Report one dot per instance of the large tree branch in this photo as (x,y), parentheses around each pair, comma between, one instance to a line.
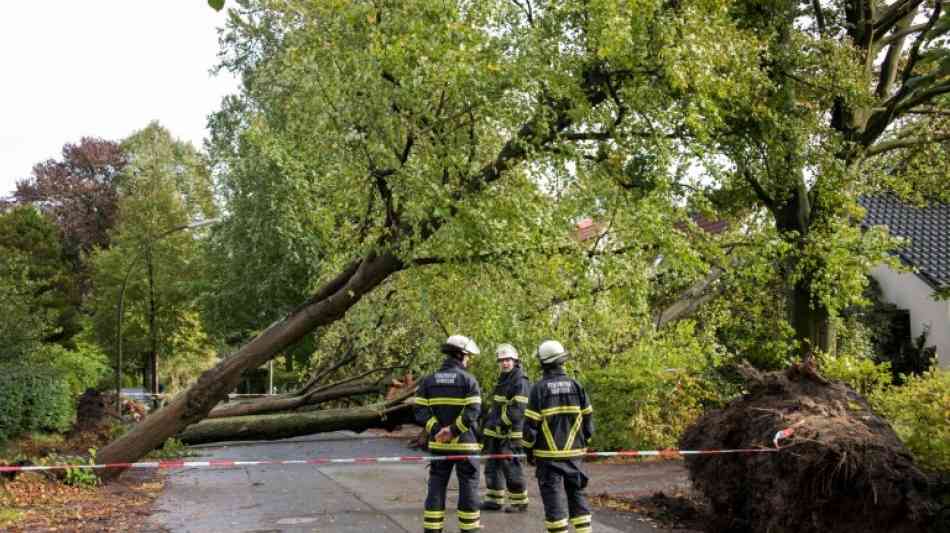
(878,122)
(338,295)
(918,42)
(691,299)
(819,17)
(924,97)
(891,62)
(902,32)
(887,146)
(892,16)
(759,190)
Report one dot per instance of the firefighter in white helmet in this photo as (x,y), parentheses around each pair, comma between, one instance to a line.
(504,478)
(448,404)
(557,427)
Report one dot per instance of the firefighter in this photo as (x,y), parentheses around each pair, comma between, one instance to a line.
(448,404)
(502,435)
(557,426)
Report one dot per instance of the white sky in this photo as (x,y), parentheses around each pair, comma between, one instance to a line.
(102,68)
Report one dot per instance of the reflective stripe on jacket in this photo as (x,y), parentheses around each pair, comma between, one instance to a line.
(508,403)
(558,421)
(450,398)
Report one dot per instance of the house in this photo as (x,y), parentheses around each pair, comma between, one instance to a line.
(928,252)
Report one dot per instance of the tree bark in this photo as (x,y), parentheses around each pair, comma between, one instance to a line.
(152,385)
(327,305)
(284,425)
(287,403)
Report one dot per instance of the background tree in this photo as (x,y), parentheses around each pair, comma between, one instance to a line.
(165,188)
(28,236)
(79,192)
(848,98)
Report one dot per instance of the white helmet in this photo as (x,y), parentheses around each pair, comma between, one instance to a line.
(506,351)
(550,352)
(463,343)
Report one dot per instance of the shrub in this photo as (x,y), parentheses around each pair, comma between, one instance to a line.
(33,399)
(648,397)
(82,368)
(919,411)
(861,373)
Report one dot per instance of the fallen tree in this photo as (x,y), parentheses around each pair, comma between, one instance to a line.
(312,397)
(386,415)
(844,469)
(395,231)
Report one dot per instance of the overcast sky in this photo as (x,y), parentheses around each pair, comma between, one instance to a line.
(102,68)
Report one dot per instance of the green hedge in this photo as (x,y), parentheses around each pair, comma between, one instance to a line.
(33,399)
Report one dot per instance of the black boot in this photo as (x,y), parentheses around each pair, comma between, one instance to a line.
(517,508)
(490,506)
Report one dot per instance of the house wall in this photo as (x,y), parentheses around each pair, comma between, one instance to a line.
(908,291)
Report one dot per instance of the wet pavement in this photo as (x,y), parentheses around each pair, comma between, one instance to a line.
(352,498)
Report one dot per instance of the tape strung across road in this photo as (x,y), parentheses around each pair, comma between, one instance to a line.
(223,463)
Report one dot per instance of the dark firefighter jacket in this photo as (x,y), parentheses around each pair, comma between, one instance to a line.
(509,400)
(558,420)
(450,398)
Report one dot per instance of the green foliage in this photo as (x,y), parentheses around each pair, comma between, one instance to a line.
(81,368)
(154,266)
(860,372)
(919,411)
(33,399)
(82,477)
(170,449)
(647,398)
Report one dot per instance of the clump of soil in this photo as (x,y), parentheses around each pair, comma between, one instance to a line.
(94,411)
(843,470)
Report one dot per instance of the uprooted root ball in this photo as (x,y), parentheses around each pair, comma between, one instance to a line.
(844,469)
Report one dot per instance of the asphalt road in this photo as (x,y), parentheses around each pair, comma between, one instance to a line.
(337,499)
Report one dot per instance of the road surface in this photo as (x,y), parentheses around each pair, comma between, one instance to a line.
(337,498)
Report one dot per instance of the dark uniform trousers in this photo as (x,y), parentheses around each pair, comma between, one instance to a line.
(504,477)
(451,399)
(468,504)
(557,479)
(558,425)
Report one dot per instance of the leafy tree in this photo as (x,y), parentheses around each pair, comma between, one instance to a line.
(79,192)
(847,98)
(147,277)
(453,147)
(24,231)
(23,324)
(395,133)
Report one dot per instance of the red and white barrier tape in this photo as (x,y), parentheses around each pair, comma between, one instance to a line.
(220,463)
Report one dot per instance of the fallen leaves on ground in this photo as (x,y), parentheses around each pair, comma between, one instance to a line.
(684,509)
(32,502)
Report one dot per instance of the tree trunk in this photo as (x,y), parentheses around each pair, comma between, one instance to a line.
(152,329)
(812,323)
(274,405)
(284,425)
(329,303)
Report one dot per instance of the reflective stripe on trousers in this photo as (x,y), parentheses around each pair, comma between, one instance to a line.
(504,477)
(468,502)
(559,481)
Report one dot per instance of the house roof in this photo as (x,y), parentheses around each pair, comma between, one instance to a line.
(588,228)
(927,229)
